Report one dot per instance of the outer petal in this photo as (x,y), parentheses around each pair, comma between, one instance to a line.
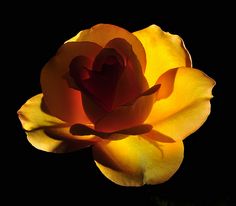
(47,132)
(187,107)
(32,116)
(42,141)
(164,51)
(103,33)
(63,101)
(135,160)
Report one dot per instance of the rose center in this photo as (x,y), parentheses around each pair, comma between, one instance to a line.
(100,81)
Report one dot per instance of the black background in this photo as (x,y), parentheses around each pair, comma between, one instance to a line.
(34,33)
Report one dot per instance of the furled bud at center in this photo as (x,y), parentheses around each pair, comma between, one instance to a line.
(100,81)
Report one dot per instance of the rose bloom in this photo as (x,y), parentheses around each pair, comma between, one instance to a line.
(132,97)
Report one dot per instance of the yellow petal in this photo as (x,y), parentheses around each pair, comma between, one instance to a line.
(188,105)
(47,132)
(42,141)
(32,116)
(164,51)
(137,160)
(103,33)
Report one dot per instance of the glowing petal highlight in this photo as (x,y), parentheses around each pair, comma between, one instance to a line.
(134,160)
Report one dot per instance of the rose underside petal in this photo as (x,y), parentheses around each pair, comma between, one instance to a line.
(80,129)
(135,160)
(188,105)
(166,81)
(164,51)
(47,132)
(63,101)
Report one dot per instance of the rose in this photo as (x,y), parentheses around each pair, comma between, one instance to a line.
(132,97)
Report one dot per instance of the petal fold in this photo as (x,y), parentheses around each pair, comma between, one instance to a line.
(186,107)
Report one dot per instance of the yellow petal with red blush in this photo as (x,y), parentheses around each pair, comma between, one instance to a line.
(62,100)
(103,33)
(164,51)
(186,107)
(48,133)
(137,160)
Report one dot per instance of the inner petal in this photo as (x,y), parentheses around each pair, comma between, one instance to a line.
(132,82)
(99,82)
